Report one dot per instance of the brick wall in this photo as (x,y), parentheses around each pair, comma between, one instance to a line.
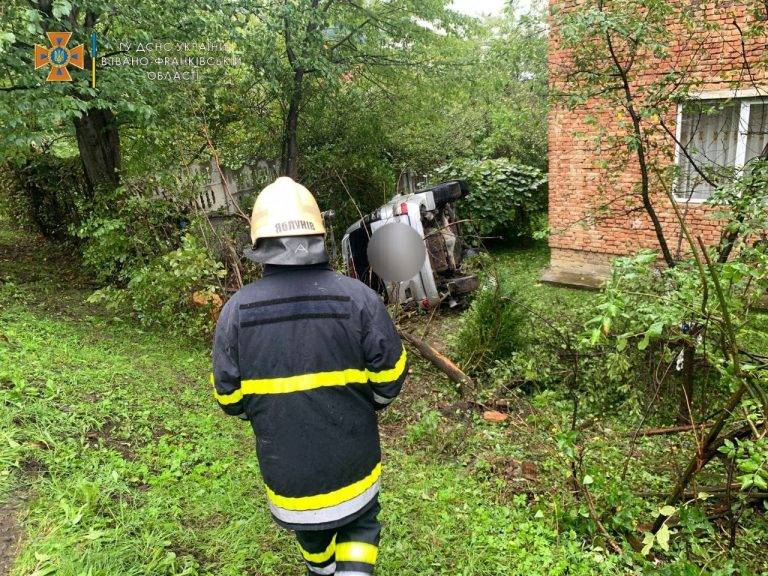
(596,209)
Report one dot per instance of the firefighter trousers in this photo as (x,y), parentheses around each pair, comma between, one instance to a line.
(348,550)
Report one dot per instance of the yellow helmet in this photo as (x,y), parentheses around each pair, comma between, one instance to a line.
(285,208)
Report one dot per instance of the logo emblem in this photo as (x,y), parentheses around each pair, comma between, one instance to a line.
(58,56)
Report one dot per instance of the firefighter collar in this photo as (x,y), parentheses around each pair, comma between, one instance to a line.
(289,251)
(270,269)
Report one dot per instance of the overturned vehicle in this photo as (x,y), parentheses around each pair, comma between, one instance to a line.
(431,213)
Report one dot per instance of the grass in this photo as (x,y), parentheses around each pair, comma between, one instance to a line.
(521,268)
(130,468)
(120,462)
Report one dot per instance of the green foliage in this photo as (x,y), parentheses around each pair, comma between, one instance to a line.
(427,429)
(643,304)
(159,293)
(657,315)
(552,332)
(742,201)
(44,193)
(38,113)
(130,458)
(482,94)
(15,206)
(641,301)
(385,88)
(345,153)
(627,363)
(492,329)
(751,458)
(505,199)
(126,230)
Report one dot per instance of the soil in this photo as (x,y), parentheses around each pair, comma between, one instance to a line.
(10,534)
(106,435)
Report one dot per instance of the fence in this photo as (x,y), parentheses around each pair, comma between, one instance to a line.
(224,187)
(217,191)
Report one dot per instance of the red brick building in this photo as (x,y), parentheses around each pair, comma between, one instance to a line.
(595,210)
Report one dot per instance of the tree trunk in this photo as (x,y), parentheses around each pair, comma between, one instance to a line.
(290,154)
(629,105)
(99,143)
(704,452)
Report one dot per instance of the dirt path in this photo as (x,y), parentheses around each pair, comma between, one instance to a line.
(10,534)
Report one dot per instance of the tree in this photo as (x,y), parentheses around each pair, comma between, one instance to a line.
(620,71)
(318,46)
(38,112)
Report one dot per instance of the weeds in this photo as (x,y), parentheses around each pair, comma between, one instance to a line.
(492,329)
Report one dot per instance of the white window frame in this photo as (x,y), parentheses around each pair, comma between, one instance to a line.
(746,99)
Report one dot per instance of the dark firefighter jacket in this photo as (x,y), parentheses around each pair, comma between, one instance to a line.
(309,355)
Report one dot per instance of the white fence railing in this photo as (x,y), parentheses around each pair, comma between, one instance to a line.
(220,194)
(217,195)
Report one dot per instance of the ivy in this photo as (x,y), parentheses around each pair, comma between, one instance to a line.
(505,199)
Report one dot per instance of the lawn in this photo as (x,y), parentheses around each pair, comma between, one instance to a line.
(114,458)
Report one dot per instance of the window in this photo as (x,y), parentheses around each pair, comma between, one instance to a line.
(757,133)
(717,137)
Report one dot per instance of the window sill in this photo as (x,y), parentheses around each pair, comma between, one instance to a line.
(693,201)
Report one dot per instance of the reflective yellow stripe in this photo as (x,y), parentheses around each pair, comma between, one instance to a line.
(320,557)
(391,374)
(325,500)
(231,398)
(303,382)
(236,396)
(313,380)
(356,552)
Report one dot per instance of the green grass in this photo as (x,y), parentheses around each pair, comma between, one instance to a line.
(120,462)
(521,268)
(130,468)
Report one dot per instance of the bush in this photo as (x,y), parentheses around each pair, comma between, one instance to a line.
(126,231)
(44,193)
(505,199)
(160,293)
(491,330)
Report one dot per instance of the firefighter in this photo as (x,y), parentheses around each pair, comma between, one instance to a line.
(309,356)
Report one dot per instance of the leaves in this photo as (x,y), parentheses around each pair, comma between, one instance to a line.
(503,198)
(648,540)
(61,8)
(667,510)
(662,537)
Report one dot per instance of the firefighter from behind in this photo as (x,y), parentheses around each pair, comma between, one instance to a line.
(309,356)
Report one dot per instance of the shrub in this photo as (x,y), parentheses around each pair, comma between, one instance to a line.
(159,293)
(505,199)
(44,193)
(491,330)
(125,232)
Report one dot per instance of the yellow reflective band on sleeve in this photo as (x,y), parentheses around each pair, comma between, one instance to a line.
(334,498)
(231,398)
(391,374)
(356,552)
(320,557)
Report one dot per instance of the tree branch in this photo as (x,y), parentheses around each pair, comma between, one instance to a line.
(639,151)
